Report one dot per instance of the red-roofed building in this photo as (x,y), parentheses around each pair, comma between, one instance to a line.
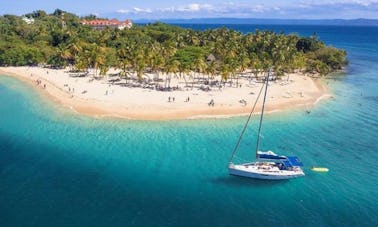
(101,24)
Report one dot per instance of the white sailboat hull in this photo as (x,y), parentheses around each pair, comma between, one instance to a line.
(263,170)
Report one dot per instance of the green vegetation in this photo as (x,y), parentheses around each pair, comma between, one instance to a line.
(59,40)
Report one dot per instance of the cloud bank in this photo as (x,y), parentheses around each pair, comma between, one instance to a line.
(345,9)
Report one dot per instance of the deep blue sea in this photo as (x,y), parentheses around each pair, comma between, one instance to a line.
(62,169)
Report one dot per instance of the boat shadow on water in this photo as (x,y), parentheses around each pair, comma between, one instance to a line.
(236,181)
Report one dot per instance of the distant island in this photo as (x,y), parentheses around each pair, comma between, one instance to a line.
(71,50)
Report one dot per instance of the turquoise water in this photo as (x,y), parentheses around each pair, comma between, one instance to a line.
(63,169)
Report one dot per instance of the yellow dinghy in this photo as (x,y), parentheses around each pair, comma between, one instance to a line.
(319,169)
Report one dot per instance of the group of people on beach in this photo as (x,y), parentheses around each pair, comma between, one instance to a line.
(70,90)
(171,98)
(242,101)
(39,82)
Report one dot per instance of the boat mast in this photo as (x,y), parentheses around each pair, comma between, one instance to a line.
(262,114)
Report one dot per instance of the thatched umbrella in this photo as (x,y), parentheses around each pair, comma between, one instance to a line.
(210,58)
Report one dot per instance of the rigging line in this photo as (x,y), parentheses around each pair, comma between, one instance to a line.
(262,114)
(246,124)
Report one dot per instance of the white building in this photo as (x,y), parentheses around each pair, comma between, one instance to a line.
(28,20)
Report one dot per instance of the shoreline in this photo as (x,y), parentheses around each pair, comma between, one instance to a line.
(100,98)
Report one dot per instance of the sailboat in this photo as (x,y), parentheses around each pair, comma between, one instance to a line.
(268,165)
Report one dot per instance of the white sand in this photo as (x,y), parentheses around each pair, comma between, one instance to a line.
(100,98)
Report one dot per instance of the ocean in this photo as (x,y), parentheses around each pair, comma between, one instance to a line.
(58,168)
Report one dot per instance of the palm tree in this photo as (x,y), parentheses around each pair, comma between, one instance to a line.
(179,41)
(74,49)
(244,62)
(255,64)
(96,57)
(211,70)
(140,65)
(168,49)
(192,38)
(199,65)
(63,53)
(82,62)
(123,62)
(225,72)
(184,70)
(172,66)
(234,70)
(106,60)
(155,59)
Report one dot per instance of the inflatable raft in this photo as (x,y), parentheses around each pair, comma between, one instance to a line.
(319,169)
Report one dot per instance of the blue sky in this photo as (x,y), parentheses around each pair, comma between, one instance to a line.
(136,9)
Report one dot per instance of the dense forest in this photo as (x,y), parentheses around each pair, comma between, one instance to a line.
(60,40)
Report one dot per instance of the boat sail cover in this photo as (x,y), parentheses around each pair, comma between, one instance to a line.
(269,155)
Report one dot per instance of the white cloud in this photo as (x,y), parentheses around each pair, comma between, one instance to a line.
(194,7)
(229,9)
(168,9)
(259,9)
(365,3)
(360,2)
(139,10)
(125,11)
(134,10)
(310,9)
(190,8)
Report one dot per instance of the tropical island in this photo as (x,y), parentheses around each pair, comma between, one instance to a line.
(160,71)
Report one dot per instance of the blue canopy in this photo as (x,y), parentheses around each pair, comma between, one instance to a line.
(292,161)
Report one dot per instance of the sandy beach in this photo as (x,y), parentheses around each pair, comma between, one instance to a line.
(110,96)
